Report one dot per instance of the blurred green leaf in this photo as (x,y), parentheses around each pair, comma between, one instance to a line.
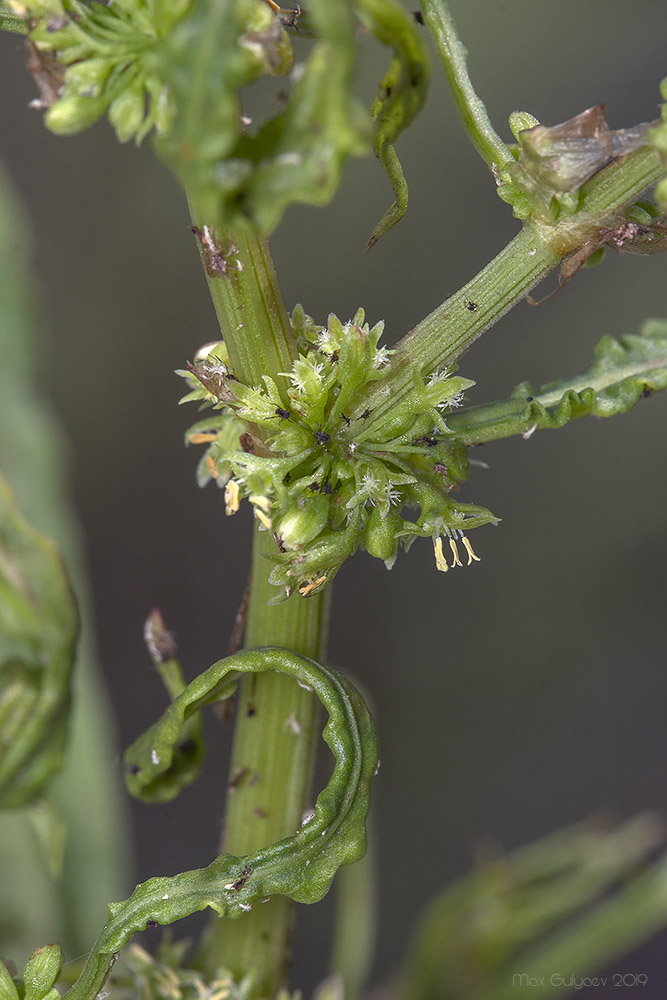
(46,894)
(38,628)
(401,96)
(566,904)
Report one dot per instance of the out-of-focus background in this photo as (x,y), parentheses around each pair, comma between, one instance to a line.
(513,697)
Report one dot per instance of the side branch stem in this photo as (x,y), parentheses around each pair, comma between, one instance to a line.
(483,136)
(446,334)
(443,336)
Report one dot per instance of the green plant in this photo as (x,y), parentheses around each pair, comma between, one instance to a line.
(332,439)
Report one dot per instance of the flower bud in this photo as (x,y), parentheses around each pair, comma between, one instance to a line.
(73,114)
(661,194)
(127,111)
(519,121)
(89,76)
(355,361)
(301,524)
(380,538)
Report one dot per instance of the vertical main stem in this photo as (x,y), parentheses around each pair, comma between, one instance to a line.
(274,737)
(270,773)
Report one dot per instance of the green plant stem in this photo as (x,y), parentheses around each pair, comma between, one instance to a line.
(487,142)
(446,334)
(249,305)
(450,329)
(272,757)
(270,773)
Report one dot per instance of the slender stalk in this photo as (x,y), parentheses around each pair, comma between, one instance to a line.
(445,334)
(453,53)
(449,330)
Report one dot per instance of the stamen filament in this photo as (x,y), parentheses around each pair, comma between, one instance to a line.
(468,547)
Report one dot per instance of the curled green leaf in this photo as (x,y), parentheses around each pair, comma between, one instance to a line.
(438,19)
(38,629)
(623,372)
(301,866)
(400,98)
(252,171)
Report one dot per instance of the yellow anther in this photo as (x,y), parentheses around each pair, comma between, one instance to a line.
(266,521)
(455,553)
(440,561)
(206,351)
(201,437)
(212,467)
(260,501)
(231,497)
(468,547)
(306,589)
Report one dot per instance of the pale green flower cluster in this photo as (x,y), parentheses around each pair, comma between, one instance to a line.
(317,480)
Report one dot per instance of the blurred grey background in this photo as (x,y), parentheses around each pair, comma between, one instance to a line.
(512,698)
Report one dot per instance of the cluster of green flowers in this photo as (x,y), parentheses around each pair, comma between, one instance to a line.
(322,480)
(97,59)
(123,60)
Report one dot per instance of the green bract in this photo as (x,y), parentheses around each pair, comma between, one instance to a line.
(316,480)
(552,164)
(623,372)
